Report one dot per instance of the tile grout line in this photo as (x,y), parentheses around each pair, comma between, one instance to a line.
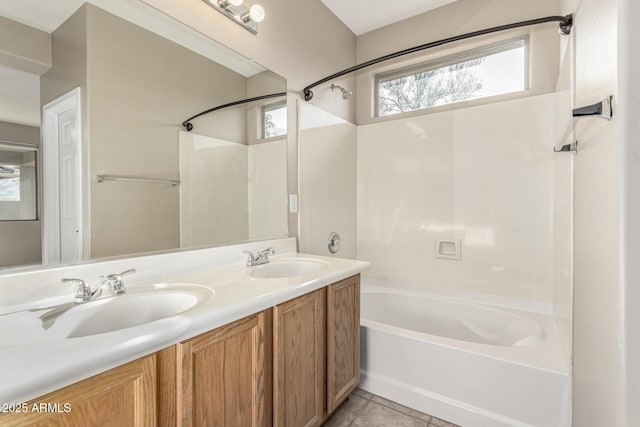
(370,399)
(404,413)
(367,401)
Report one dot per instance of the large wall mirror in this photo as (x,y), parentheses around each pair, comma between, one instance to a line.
(94,161)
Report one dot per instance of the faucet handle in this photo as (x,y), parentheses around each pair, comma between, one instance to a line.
(81,291)
(118,276)
(116,283)
(263,256)
(252,258)
(268,251)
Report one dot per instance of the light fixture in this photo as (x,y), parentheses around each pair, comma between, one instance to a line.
(256,12)
(247,17)
(225,4)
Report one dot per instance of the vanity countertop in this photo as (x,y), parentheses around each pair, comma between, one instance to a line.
(34,369)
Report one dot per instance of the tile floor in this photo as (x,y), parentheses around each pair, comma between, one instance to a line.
(364,409)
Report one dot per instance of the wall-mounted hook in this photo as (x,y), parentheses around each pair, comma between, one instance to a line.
(567,148)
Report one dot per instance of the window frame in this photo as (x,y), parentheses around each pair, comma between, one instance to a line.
(445,61)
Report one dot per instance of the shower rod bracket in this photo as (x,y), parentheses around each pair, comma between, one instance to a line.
(602,109)
(565,24)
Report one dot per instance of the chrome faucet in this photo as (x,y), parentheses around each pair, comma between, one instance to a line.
(262,257)
(83,292)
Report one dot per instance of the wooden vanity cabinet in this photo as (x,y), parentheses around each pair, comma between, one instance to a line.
(123,396)
(316,353)
(219,378)
(290,365)
(298,354)
(343,340)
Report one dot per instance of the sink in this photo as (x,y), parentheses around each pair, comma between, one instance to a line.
(109,314)
(117,313)
(293,267)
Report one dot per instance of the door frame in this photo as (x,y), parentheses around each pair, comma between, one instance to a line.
(51,174)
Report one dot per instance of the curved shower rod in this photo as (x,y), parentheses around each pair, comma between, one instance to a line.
(565,24)
(189,126)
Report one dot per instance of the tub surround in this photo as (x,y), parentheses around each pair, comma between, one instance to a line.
(486,175)
(237,295)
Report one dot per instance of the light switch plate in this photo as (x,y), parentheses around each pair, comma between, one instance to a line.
(293,203)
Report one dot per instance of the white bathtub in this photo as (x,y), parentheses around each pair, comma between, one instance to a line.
(472,364)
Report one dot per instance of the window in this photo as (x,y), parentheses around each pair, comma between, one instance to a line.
(274,120)
(17,182)
(9,183)
(496,70)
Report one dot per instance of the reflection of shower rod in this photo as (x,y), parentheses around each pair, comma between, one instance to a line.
(346,94)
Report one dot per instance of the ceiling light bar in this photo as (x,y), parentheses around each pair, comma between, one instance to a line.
(242,15)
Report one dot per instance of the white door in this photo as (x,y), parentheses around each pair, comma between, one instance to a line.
(62,164)
(70,187)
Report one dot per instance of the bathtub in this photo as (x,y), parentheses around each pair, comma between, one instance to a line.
(473,364)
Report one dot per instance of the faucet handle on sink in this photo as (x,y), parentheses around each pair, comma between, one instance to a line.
(116,282)
(81,292)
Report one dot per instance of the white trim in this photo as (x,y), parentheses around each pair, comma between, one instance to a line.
(50,167)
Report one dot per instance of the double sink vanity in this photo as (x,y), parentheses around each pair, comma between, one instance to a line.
(189,338)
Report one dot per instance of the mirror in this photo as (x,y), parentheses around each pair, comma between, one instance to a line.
(117,172)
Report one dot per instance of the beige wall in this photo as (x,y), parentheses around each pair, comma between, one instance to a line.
(25,247)
(19,133)
(213,191)
(470,15)
(267,182)
(299,39)
(69,71)
(141,88)
(137,89)
(328,164)
(598,372)
(23,47)
(22,238)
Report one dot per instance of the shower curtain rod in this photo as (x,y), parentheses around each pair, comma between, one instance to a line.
(189,126)
(565,23)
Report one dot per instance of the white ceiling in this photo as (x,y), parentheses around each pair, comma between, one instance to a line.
(362,16)
(44,15)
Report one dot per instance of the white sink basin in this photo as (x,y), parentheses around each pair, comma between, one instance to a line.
(136,307)
(293,267)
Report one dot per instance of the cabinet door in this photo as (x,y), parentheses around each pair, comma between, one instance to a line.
(124,396)
(224,376)
(343,340)
(298,351)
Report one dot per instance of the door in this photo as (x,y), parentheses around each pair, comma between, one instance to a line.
(123,396)
(62,167)
(224,376)
(298,354)
(70,187)
(343,340)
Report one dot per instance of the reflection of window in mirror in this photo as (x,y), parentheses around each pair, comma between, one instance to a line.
(274,119)
(17,182)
